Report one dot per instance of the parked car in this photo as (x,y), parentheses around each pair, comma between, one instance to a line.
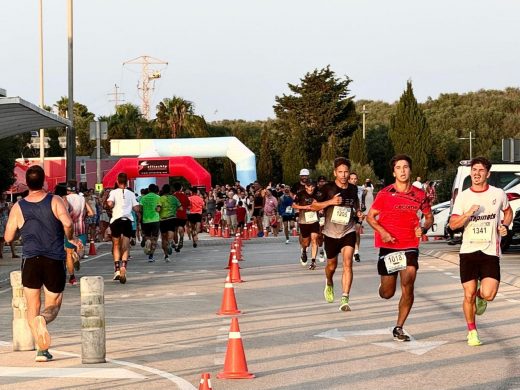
(441,212)
(502,175)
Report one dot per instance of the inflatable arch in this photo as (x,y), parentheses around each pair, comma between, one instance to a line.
(140,167)
(229,147)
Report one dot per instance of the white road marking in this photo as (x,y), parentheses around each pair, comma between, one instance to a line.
(149,295)
(83,261)
(448,273)
(182,384)
(454,277)
(512,300)
(95,373)
(412,346)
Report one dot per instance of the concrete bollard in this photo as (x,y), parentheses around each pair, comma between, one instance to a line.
(93,346)
(22,337)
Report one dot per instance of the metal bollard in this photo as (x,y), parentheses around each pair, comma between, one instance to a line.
(93,346)
(22,336)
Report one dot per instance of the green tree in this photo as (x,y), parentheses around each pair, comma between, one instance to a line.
(172,113)
(380,151)
(55,149)
(409,131)
(358,150)
(82,119)
(8,154)
(320,106)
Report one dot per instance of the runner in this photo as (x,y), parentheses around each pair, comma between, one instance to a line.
(195,216)
(341,204)
(322,180)
(121,201)
(309,223)
(150,220)
(353,179)
(181,217)
(393,216)
(168,205)
(295,189)
(478,210)
(285,208)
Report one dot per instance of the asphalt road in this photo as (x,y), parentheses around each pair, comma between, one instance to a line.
(163,331)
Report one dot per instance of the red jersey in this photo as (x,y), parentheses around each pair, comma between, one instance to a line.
(185,202)
(218,217)
(241,214)
(398,216)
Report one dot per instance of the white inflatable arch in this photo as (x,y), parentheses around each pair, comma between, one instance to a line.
(230,147)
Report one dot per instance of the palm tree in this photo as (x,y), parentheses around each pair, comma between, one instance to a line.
(172,114)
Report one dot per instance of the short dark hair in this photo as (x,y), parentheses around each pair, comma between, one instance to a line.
(481,160)
(122,178)
(153,188)
(35,177)
(166,189)
(341,161)
(177,186)
(399,157)
(353,173)
(322,178)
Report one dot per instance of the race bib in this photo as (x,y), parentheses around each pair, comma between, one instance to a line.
(340,215)
(288,210)
(395,261)
(479,232)
(311,216)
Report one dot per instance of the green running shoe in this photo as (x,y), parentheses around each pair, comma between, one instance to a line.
(473,340)
(329,293)
(344,306)
(480,304)
(43,356)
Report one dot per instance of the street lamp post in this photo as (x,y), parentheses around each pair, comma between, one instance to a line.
(471,138)
(42,131)
(71,132)
(364,112)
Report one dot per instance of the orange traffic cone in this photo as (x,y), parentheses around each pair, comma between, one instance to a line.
(235,365)
(294,232)
(211,231)
(238,250)
(92,249)
(205,382)
(229,302)
(235,271)
(226,232)
(245,235)
(232,253)
(219,232)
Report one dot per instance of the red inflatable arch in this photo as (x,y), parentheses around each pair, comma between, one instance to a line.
(136,167)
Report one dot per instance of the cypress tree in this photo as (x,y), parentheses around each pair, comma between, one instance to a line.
(409,132)
(358,150)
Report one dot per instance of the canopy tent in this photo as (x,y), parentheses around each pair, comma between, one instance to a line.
(18,116)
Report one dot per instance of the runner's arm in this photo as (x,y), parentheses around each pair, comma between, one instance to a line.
(372,221)
(458,221)
(335,200)
(13,223)
(60,212)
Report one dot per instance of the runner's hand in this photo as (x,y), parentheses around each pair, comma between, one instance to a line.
(473,209)
(418,231)
(77,242)
(502,230)
(386,237)
(336,200)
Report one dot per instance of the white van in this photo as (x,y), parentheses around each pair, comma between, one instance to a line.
(501,175)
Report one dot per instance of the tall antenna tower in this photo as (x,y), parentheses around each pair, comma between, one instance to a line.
(148,76)
(118,96)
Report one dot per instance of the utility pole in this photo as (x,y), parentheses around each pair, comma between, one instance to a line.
(42,131)
(116,94)
(471,138)
(364,112)
(71,132)
(146,85)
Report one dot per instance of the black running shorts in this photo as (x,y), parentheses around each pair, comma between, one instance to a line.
(178,222)
(307,228)
(333,246)
(121,227)
(412,258)
(478,265)
(167,225)
(42,271)
(150,229)
(195,218)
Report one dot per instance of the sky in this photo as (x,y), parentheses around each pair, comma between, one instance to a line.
(231,58)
